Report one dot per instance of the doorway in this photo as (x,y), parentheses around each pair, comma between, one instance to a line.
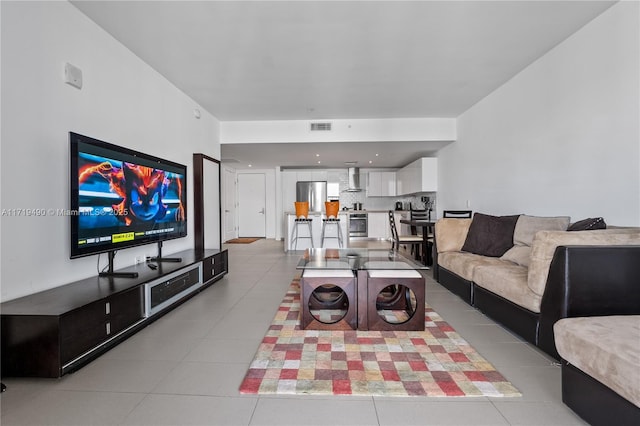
(251,205)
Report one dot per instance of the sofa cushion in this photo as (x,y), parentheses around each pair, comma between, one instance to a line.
(588,224)
(509,281)
(451,233)
(545,244)
(606,348)
(463,264)
(527,226)
(490,235)
(520,255)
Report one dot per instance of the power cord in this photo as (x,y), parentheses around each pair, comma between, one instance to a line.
(107,266)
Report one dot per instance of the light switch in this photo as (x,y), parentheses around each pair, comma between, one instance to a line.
(73,75)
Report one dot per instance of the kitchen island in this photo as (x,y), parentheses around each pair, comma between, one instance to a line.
(316,227)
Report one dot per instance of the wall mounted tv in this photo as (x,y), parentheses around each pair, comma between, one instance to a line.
(122,198)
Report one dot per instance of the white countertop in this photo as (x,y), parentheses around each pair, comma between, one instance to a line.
(315,213)
(350,211)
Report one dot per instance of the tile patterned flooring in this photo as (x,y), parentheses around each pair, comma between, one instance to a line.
(186,367)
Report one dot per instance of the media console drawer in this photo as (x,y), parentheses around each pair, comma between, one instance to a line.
(57,331)
(84,328)
(214,265)
(163,293)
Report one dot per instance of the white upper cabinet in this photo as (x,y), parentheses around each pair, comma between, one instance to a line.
(382,184)
(419,176)
(289,179)
(304,176)
(319,175)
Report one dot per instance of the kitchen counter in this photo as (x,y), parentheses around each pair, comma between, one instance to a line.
(314,214)
(352,211)
(316,228)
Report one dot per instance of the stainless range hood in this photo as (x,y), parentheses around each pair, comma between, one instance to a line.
(354,180)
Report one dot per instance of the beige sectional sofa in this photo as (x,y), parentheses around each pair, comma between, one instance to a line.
(514,288)
(601,368)
(573,294)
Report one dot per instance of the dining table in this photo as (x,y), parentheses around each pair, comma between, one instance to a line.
(427,227)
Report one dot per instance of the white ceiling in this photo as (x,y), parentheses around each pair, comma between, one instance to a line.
(291,60)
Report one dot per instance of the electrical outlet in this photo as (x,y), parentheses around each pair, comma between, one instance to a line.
(73,75)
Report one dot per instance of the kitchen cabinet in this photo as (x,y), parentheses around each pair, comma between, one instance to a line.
(379,227)
(319,175)
(289,180)
(304,176)
(419,176)
(382,184)
(378,224)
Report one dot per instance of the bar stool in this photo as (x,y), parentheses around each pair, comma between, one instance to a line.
(328,299)
(400,293)
(331,221)
(295,235)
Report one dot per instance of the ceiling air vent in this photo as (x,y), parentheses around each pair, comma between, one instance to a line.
(320,127)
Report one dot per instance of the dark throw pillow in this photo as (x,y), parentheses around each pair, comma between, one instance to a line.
(490,235)
(588,224)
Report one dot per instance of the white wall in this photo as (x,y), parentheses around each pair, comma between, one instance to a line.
(560,138)
(123,101)
(360,130)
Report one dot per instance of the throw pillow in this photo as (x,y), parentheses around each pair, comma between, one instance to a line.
(588,224)
(527,227)
(490,235)
(520,255)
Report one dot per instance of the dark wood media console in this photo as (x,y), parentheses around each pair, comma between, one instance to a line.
(57,331)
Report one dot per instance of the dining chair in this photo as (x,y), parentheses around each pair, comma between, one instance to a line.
(397,239)
(418,215)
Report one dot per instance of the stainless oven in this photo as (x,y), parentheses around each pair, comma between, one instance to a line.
(358,225)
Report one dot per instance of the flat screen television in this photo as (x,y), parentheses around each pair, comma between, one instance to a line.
(122,198)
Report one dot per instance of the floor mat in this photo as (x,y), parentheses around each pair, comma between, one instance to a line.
(244,240)
(436,362)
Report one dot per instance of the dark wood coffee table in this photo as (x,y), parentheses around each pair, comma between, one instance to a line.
(386,283)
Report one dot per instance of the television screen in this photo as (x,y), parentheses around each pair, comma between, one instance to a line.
(122,198)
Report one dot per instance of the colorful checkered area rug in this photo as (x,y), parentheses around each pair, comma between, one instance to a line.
(436,362)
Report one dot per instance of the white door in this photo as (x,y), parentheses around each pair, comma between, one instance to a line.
(251,205)
(229,204)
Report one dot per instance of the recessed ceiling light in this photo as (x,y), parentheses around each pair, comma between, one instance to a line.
(377,155)
(370,161)
(318,162)
(317,155)
(249,165)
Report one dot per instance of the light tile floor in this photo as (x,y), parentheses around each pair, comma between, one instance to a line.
(186,368)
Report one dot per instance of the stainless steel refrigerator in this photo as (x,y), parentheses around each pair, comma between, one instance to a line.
(315,192)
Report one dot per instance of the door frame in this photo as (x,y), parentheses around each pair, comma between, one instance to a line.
(233,197)
(198,202)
